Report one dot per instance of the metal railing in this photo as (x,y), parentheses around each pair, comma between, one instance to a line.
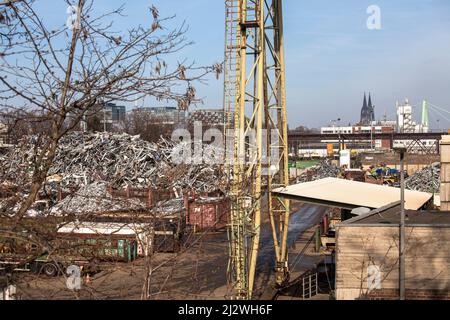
(310,286)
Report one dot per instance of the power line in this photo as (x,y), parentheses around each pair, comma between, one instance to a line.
(442,109)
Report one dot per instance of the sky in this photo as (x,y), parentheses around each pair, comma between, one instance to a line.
(332,58)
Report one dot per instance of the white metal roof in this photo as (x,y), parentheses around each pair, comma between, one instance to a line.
(102,228)
(351,194)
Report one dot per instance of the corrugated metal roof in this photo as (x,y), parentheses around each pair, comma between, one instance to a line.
(351,194)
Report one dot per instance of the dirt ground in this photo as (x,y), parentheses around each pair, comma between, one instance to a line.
(199,272)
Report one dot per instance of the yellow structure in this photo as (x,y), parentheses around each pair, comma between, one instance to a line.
(254,101)
(330,150)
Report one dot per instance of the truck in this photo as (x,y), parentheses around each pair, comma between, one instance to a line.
(19,253)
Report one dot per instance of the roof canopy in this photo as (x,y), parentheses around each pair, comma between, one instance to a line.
(347,194)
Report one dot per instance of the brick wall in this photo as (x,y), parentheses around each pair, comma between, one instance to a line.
(390,294)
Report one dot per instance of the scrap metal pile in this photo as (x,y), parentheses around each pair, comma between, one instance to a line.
(426,180)
(94,198)
(321,171)
(120,160)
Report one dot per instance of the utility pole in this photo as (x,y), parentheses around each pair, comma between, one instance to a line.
(402,246)
(371,137)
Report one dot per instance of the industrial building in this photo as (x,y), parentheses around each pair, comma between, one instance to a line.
(367,255)
(104,117)
(372,135)
(165,115)
(405,122)
(142,213)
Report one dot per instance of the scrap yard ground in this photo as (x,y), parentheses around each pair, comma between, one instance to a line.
(199,272)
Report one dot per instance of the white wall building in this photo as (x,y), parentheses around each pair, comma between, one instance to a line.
(405,122)
(336,130)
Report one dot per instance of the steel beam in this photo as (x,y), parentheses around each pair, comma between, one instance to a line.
(254,94)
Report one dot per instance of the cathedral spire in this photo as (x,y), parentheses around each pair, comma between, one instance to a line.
(370,101)
(365,102)
(366,111)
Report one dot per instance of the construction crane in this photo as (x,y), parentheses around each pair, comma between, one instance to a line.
(255,103)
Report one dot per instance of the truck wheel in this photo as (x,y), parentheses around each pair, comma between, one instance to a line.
(50,270)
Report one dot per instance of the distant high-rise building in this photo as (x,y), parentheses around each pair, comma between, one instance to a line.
(165,115)
(405,122)
(367,111)
(104,117)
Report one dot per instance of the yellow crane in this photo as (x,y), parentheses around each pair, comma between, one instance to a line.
(256,128)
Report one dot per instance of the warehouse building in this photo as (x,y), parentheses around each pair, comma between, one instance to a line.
(367,255)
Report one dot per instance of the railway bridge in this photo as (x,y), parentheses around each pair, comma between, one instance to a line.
(412,140)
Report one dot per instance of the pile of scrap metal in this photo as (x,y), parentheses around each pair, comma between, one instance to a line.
(94,198)
(118,179)
(426,180)
(325,169)
(122,161)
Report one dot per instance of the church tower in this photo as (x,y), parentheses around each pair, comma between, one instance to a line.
(367,111)
(371,109)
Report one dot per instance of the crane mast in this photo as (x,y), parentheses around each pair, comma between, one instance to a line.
(256,130)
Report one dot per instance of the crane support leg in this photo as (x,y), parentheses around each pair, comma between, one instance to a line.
(276,120)
(255,104)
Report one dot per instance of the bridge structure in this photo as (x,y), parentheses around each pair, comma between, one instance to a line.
(412,141)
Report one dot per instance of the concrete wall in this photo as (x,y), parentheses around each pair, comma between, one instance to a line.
(361,249)
(445,173)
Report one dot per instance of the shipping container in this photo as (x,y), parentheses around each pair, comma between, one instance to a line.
(209,214)
(85,247)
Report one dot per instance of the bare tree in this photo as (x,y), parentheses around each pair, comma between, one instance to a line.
(59,82)
(50,79)
(150,127)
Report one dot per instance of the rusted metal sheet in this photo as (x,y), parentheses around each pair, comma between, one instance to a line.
(209,214)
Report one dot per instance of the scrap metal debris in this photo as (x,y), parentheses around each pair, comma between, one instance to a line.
(122,161)
(325,169)
(94,198)
(426,180)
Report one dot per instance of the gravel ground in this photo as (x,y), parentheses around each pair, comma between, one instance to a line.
(199,273)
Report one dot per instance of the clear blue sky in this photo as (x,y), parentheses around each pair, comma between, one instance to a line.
(331,56)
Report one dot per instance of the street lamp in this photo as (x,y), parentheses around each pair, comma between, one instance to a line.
(338,130)
(371,137)
(402,152)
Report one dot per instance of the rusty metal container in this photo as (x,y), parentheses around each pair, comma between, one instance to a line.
(209,214)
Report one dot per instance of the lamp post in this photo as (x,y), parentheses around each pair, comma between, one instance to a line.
(338,130)
(371,137)
(402,152)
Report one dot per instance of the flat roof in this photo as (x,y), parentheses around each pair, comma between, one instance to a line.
(100,228)
(347,194)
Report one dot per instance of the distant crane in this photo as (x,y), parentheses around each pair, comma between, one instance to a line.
(255,101)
